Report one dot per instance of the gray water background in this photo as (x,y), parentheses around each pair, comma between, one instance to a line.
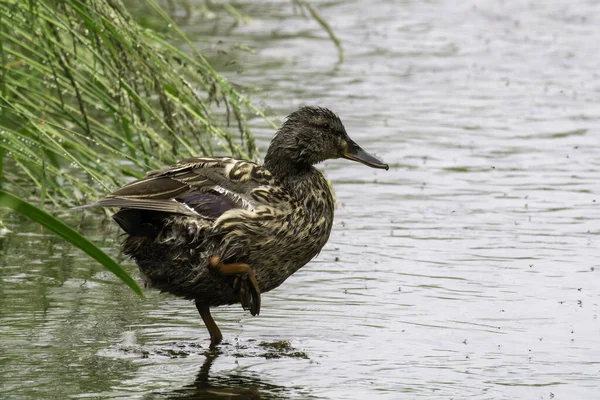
(470,269)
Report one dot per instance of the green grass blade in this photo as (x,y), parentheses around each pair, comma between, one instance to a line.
(317,17)
(89,96)
(55,225)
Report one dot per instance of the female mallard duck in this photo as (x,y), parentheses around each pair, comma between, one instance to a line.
(218,230)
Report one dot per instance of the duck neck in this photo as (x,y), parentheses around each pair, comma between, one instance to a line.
(285,161)
(285,168)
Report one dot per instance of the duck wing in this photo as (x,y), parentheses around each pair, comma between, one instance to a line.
(202,187)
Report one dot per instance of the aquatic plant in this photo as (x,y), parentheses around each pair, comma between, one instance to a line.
(89,96)
(314,13)
(57,226)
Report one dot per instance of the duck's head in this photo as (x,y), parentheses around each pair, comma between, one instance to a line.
(311,135)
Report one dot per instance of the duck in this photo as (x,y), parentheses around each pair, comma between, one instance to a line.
(221,231)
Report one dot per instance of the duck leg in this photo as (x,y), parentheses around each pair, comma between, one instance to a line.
(211,325)
(249,290)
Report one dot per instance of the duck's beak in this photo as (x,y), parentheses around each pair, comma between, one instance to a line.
(355,153)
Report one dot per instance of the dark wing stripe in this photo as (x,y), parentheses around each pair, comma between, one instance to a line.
(209,204)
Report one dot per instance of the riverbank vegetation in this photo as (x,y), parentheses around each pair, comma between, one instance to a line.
(89,96)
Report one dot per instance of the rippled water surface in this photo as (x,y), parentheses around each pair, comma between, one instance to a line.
(469,270)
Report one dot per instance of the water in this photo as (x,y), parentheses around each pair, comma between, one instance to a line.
(469,270)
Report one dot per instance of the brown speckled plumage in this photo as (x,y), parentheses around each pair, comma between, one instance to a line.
(274,217)
(272,230)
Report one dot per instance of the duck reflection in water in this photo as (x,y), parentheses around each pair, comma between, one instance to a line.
(226,386)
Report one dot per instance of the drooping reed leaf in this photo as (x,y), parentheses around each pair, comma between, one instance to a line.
(53,224)
(325,25)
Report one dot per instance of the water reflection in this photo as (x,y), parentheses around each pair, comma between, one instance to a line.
(224,386)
